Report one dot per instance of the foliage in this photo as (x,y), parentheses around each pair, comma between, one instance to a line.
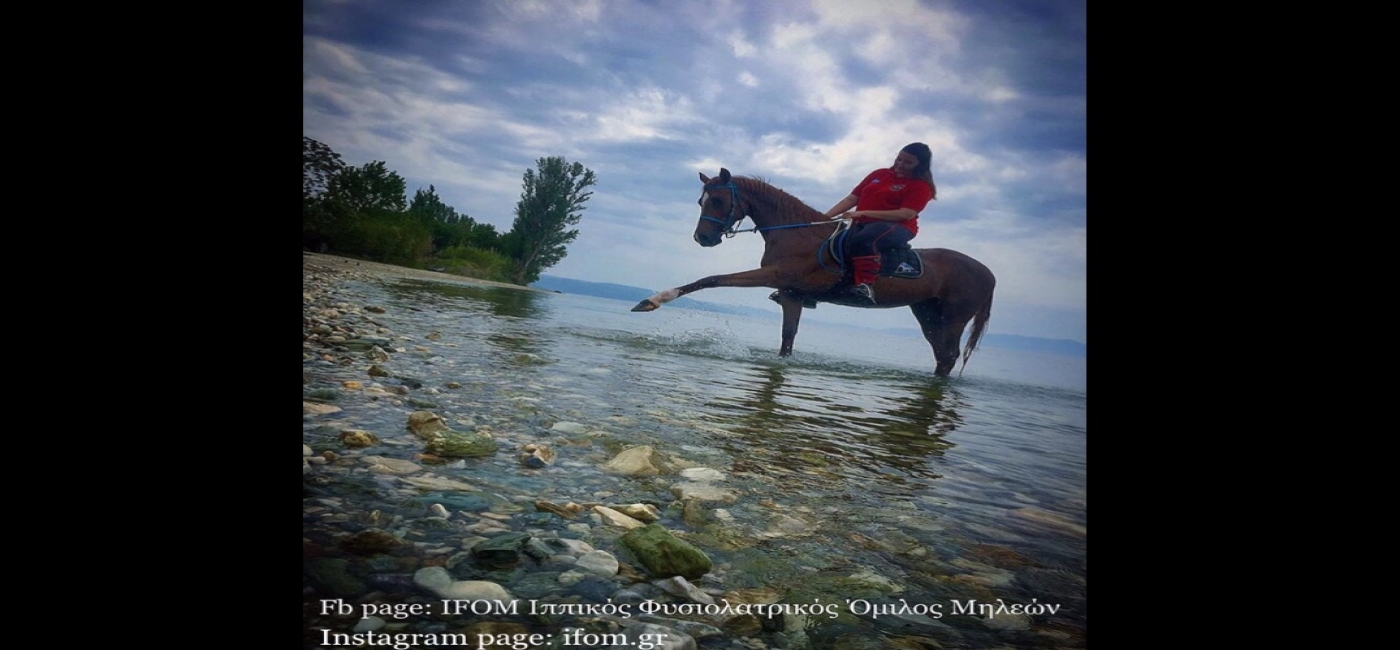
(451,228)
(390,237)
(358,210)
(363,211)
(475,262)
(551,202)
(325,224)
(430,208)
(371,187)
(318,166)
(481,235)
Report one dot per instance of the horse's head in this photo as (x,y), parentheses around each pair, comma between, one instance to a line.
(720,209)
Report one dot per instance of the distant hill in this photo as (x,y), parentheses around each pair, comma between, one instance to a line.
(1065,347)
(636,294)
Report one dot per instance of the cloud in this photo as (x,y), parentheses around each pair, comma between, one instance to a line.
(810,95)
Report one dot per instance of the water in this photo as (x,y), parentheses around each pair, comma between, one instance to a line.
(860,475)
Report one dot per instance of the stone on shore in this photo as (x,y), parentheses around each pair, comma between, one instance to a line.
(664,554)
(316,408)
(678,586)
(439,484)
(702,474)
(437,580)
(643,512)
(372,541)
(615,518)
(383,465)
(358,438)
(426,424)
(536,456)
(598,562)
(453,444)
(693,491)
(637,461)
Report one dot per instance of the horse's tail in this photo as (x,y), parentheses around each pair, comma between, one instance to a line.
(979,325)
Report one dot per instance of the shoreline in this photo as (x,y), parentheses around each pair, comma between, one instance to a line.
(337,264)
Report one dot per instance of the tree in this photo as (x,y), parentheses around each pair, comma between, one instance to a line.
(371,188)
(429,207)
(322,222)
(318,166)
(551,202)
(438,216)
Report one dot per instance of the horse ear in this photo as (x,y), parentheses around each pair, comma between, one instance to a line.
(704,179)
(723,175)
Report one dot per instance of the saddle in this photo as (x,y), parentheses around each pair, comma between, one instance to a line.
(897,262)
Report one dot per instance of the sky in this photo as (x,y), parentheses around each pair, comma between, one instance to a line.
(810,95)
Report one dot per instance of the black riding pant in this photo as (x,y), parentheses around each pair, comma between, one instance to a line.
(871,238)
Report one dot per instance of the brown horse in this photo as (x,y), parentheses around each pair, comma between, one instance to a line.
(953,289)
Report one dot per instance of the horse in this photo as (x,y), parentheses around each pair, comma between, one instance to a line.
(953,289)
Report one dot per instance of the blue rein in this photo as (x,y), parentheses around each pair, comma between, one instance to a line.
(728,223)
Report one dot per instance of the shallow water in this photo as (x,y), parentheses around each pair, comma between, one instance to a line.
(850,458)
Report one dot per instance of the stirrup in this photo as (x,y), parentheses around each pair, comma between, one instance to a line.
(864,291)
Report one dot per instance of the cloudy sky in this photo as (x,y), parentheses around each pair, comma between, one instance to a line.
(808,94)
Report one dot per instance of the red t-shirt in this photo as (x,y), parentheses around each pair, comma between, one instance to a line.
(883,190)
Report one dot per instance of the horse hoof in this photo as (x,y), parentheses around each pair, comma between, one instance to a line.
(646,305)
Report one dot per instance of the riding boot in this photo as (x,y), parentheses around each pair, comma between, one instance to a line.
(865,268)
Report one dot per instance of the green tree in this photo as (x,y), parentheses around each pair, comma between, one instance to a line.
(429,207)
(322,222)
(371,188)
(448,226)
(318,166)
(551,202)
(480,235)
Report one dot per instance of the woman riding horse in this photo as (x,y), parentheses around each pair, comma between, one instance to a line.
(887,205)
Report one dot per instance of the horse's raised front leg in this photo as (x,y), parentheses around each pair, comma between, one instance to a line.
(756,278)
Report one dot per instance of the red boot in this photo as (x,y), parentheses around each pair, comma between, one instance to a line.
(866,268)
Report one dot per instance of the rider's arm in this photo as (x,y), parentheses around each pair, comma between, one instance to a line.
(900,214)
(842,206)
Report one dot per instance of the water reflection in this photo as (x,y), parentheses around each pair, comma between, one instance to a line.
(521,313)
(788,420)
(501,301)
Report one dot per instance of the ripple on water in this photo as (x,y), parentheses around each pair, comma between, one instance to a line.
(852,480)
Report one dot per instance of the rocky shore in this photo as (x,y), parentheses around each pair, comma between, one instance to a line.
(396,547)
(436,514)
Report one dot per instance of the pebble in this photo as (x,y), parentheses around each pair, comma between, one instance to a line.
(679,586)
(437,580)
(600,562)
(572,554)
(369,624)
(702,492)
(615,518)
(385,465)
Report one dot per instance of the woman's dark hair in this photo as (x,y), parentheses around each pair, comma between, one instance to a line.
(921,151)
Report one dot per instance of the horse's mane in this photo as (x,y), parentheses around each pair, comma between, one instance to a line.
(788,207)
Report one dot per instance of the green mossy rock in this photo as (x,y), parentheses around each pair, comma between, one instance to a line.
(501,551)
(453,444)
(664,554)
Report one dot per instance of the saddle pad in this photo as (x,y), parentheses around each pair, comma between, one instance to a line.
(901,263)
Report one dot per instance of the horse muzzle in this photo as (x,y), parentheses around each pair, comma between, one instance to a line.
(708,240)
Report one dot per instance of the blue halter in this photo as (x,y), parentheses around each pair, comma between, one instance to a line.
(727,225)
(732,219)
